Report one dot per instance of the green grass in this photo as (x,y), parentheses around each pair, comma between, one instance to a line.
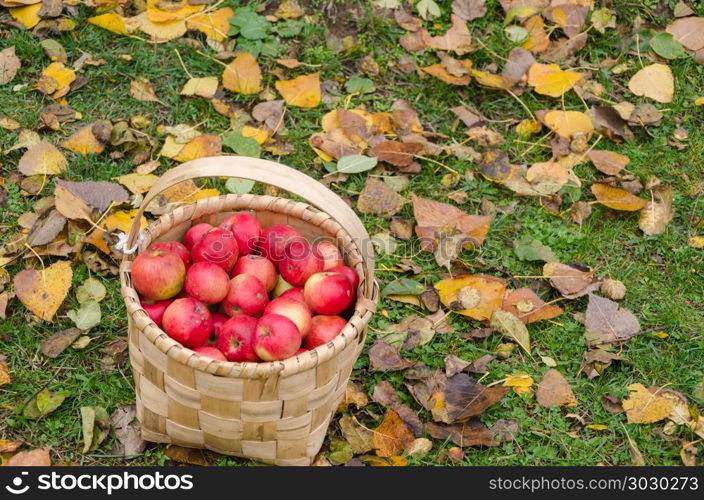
(663,275)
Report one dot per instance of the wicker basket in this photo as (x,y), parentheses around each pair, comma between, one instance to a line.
(275,412)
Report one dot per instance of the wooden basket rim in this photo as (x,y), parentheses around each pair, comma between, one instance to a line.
(353,330)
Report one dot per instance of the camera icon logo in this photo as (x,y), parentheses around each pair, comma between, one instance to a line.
(16,487)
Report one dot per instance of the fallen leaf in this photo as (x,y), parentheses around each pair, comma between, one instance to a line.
(392,436)
(569,123)
(200,147)
(468,10)
(433,216)
(531,249)
(399,154)
(42,292)
(386,396)
(538,40)
(384,357)
(137,183)
(554,390)
(112,22)
(301,92)
(354,395)
(143,90)
(188,456)
(457,39)
(42,158)
(528,307)
(644,407)
(84,140)
(360,438)
(689,31)
(215,24)
(243,75)
(654,81)
(46,228)
(378,198)
(608,162)
(59,342)
(34,458)
(572,281)
(86,316)
(203,87)
(521,383)
(127,431)
(464,397)
(27,15)
(477,296)
(549,79)
(512,327)
(9,65)
(44,403)
(617,198)
(607,323)
(656,214)
(7,446)
(472,433)
(96,195)
(439,72)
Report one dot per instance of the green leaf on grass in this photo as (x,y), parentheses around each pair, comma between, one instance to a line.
(359,85)
(239,186)
(529,248)
(354,164)
(44,403)
(87,316)
(666,46)
(244,146)
(403,286)
(91,289)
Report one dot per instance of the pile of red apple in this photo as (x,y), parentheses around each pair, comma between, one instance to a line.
(240,292)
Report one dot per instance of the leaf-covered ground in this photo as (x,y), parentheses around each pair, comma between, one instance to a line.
(506,396)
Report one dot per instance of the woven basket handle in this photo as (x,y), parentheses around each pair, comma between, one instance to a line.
(273,173)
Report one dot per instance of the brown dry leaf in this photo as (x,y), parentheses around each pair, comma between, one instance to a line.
(392,436)
(435,218)
(215,24)
(9,124)
(399,154)
(607,323)
(200,147)
(549,79)
(42,292)
(571,280)
(689,31)
(127,431)
(617,198)
(512,327)
(654,81)
(84,140)
(378,198)
(554,390)
(42,158)
(644,407)
(657,213)
(476,295)
(469,116)
(117,221)
(469,9)
(472,433)
(457,39)
(46,228)
(9,65)
(491,80)
(203,87)
(609,122)
(463,397)
(34,458)
(188,456)
(454,365)
(4,299)
(59,342)
(569,123)
(386,396)
(608,162)
(384,358)
(243,75)
(548,177)
(143,90)
(528,307)
(301,92)
(96,195)
(439,71)
(354,395)
(7,446)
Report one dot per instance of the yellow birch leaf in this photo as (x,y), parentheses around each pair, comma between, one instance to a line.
(644,407)
(569,123)
(137,183)
(491,80)
(438,71)
(617,198)
(4,380)
(27,15)
(654,81)
(56,80)
(43,291)
(160,32)
(42,159)
(215,24)
(528,127)
(243,75)
(171,148)
(203,87)
(696,242)
(301,92)
(476,295)
(200,147)
(159,11)
(521,383)
(258,134)
(84,142)
(111,22)
(549,79)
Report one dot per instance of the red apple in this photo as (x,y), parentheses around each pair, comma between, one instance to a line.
(246,230)
(301,351)
(217,246)
(195,234)
(188,321)
(348,273)
(281,286)
(300,262)
(175,247)
(218,321)
(295,293)
(210,352)
(247,295)
(259,267)
(330,253)
(276,338)
(323,330)
(158,275)
(207,282)
(328,293)
(236,339)
(294,310)
(155,309)
(274,239)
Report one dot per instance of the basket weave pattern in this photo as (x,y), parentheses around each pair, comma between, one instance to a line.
(275,412)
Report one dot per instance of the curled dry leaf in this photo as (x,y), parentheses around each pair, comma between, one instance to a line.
(386,396)
(607,323)
(613,289)
(644,407)
(84,141)
(554,390)
(617,198)
(654,81)
(9,65)
(476,296)
(571,280)
(42,292)
(59,342)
